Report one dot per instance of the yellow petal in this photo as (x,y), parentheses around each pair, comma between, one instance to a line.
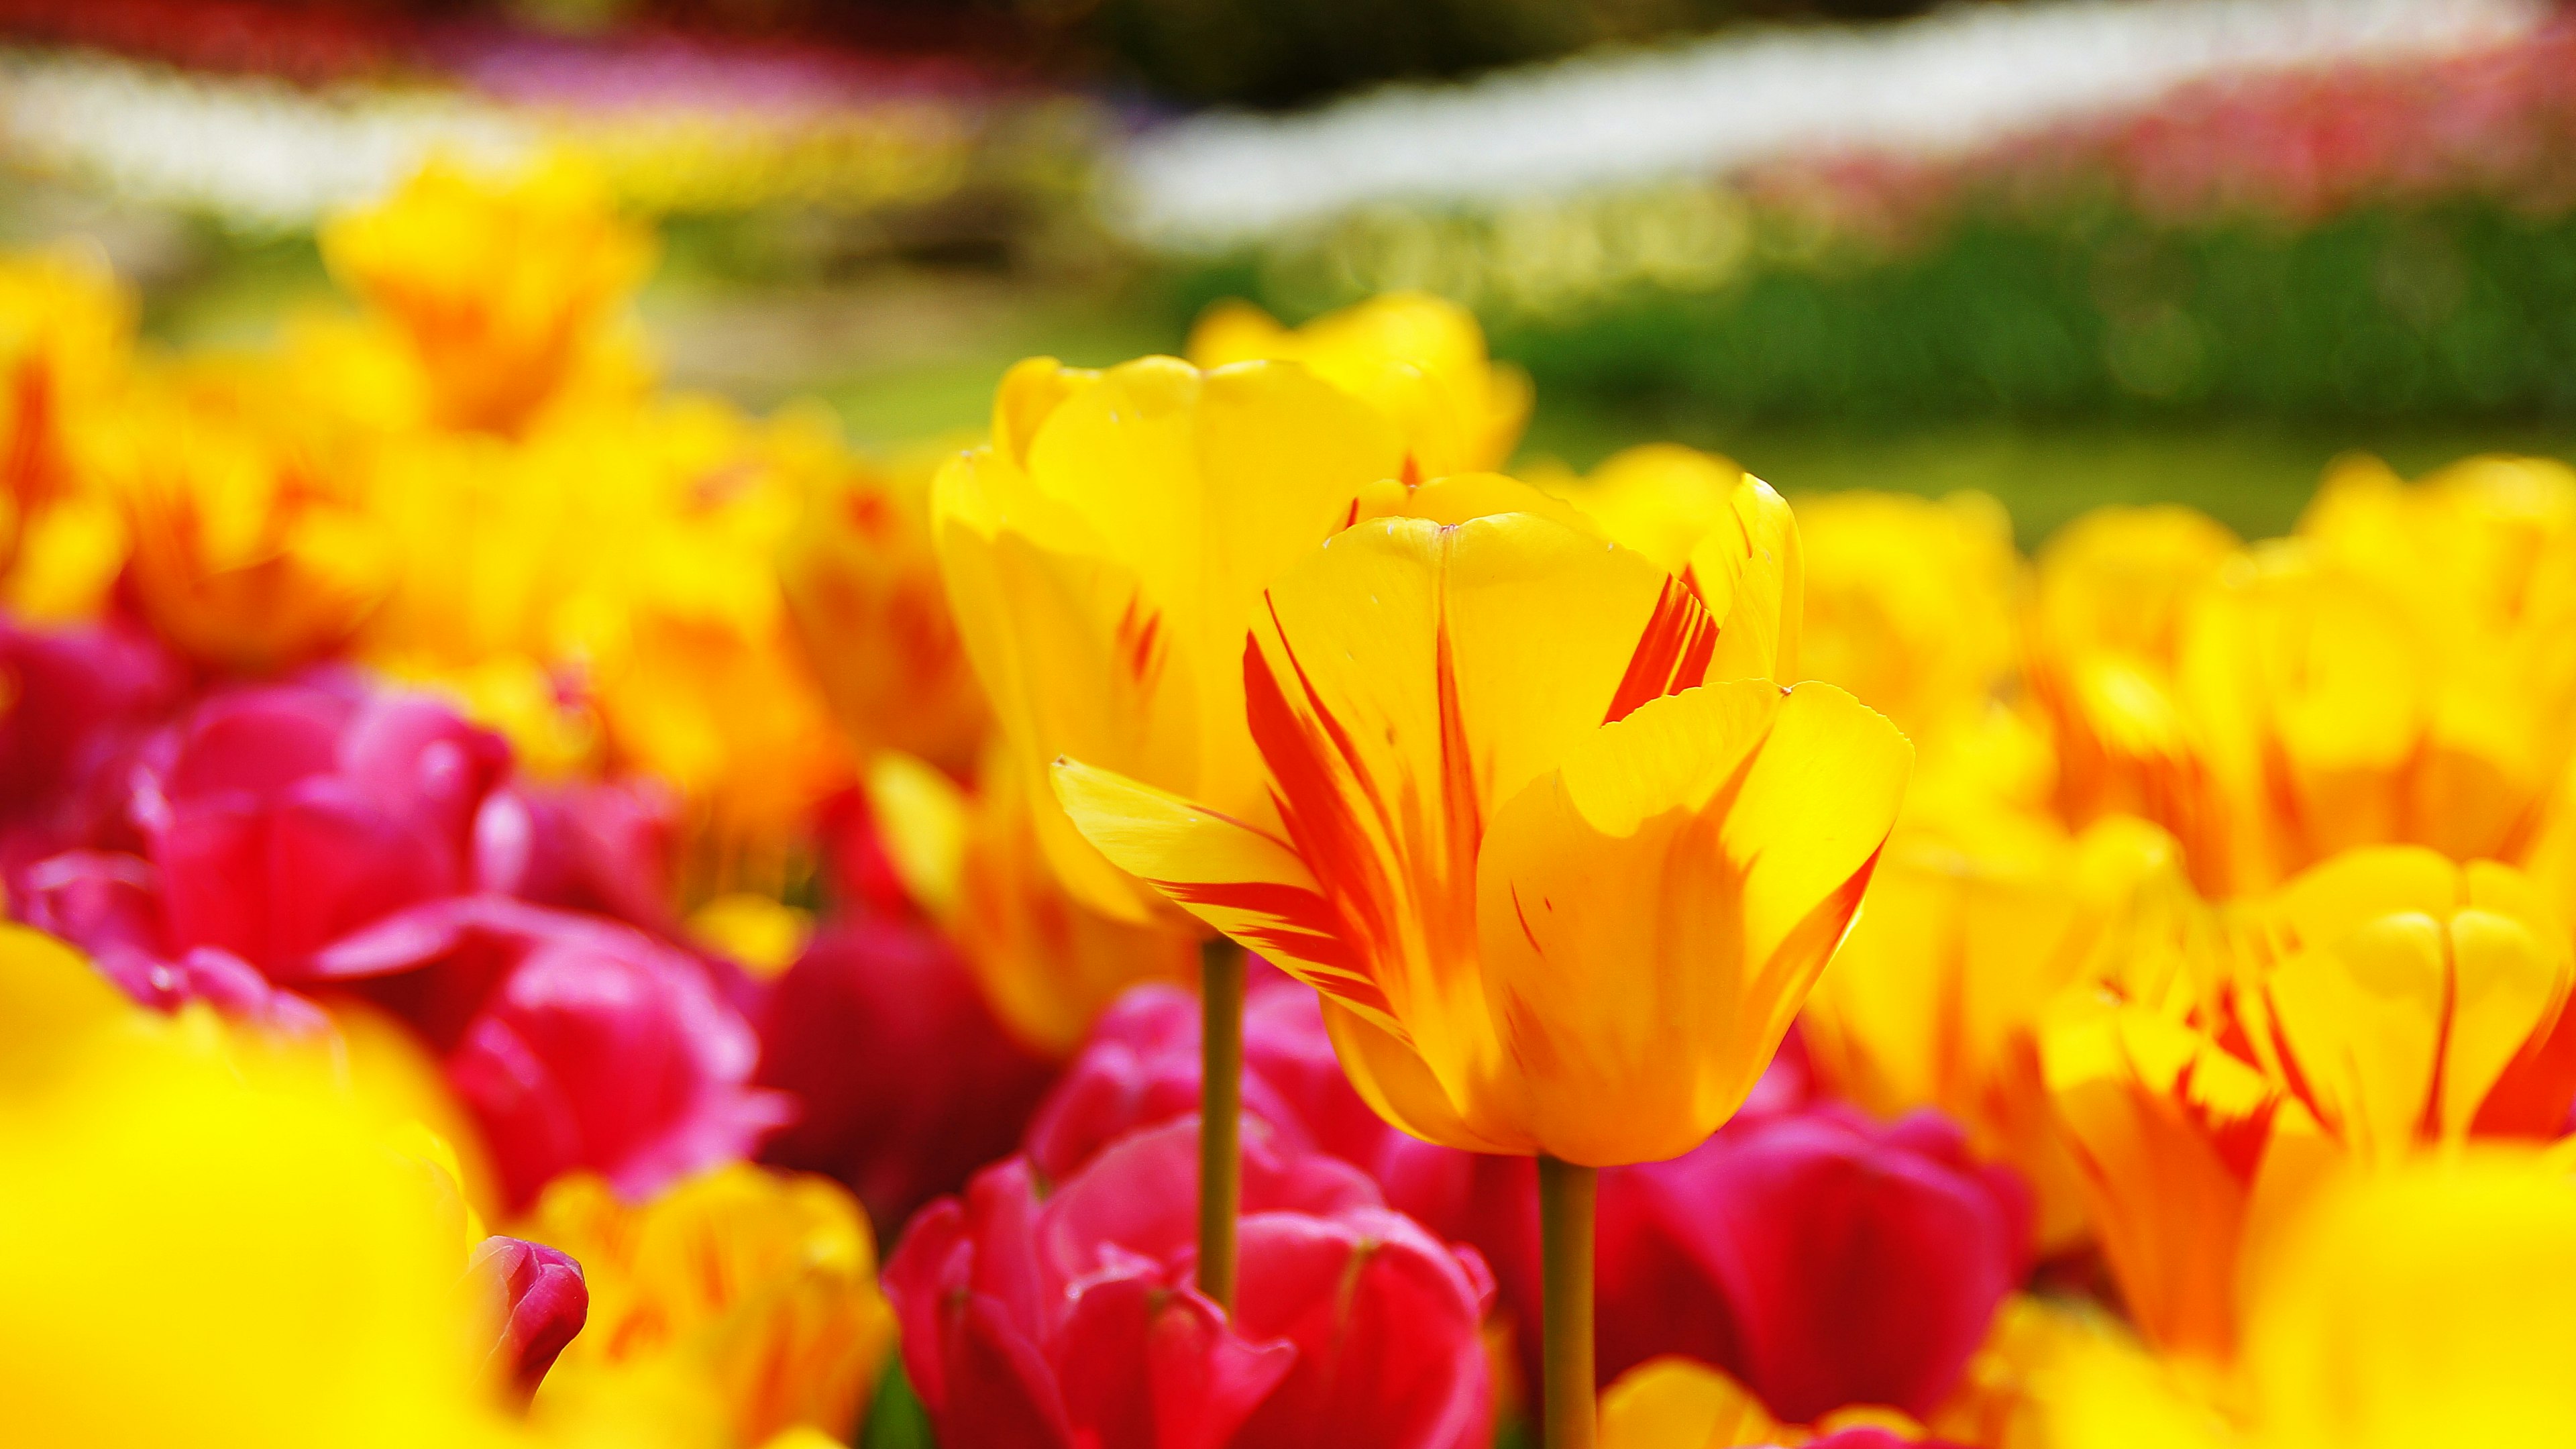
(1652,918)
(1679,1403)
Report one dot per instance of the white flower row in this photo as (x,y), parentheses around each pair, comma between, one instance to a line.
(1944,83)
(257,152)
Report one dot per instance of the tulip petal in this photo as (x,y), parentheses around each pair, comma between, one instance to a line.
(1653,916)
(1406,678)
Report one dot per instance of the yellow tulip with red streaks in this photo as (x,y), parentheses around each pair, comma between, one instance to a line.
(1561,891)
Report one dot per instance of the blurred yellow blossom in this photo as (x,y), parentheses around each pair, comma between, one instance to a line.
(66,329)
(506,286)
(862,584)
(227,1260)
(1911,605)
(758,1285)
(1419,360)
(253,547)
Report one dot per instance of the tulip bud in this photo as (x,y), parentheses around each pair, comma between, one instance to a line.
(544,1304)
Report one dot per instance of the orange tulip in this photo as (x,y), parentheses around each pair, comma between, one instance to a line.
(1561,893)
(66,328)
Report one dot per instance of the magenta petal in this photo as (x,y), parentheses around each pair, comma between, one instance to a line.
(1145,1366)
(544,1301)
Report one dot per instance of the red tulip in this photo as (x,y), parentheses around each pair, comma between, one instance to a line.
(544,1303)
(283,818)
(1820,1258)
(906,1082)
(1075,1319)
(577,1041)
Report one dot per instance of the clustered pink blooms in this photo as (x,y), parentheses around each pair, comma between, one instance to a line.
(1820,1258)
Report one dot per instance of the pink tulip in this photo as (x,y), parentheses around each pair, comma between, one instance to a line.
(904,1079)
(544,1303)
(282,818)
(1819,1257)
(1072,1317)
(578,1042)
(74,704)
(104,902)
(609,847)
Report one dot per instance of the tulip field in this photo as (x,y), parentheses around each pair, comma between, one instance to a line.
(1235,898)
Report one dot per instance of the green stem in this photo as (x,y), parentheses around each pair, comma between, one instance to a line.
(1220,1115)
(1565,1245)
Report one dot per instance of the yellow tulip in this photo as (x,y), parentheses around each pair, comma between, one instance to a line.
(66,328)
(2173,1137)
(225,1259)
(1971,928)
(1722,531)
(1680,1403)
(1047,964)
(1106,551)
(253,548)
(756,1286)
(1910,604)
(2404,999)
(2434,1306)
(1418,360)
(506,287)
(862,586)
(2431,1305)
(1560,892)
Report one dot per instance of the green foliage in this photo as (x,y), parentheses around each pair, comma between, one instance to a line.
(895,1418)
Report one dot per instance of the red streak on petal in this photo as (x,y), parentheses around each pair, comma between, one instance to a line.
(1672,654)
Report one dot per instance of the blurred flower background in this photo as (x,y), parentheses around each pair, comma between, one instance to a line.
(540,602)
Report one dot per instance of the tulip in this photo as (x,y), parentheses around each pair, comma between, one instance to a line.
(1105,551)
(1823,1260)
(905,1082)
(1677,1403)
(1532,987)
(861,578)
(66,328)
(1475,871)
(2177,1142)
(971,862)
(2425,1305)
(1074,1318)
(503,286)
(78,701)
(609,847)
(173,1200)
(281,819)
(2405,999)
(2112,592)
(576,1042)
(1910,604)
(757,1287)
(1419,360)
(544,1303)
(252,549)
(1972,926)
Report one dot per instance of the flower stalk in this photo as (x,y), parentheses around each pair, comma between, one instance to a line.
(1565,1202)
(1220,1115)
